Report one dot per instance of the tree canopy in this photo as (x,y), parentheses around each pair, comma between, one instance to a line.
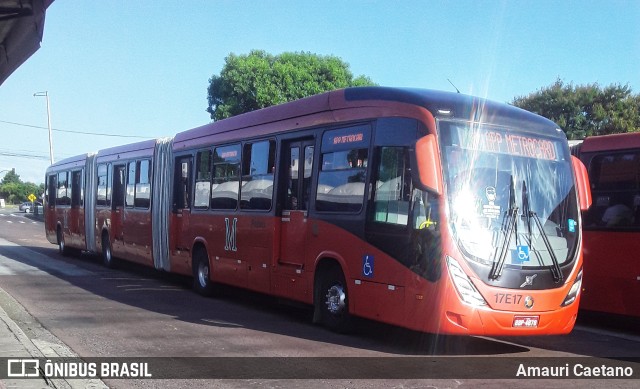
(10,177)
(259,80)
(586,110)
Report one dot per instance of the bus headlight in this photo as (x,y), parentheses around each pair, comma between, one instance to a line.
(465,288)
(574,291)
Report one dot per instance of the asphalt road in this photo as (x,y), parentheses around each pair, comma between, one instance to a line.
(137,312)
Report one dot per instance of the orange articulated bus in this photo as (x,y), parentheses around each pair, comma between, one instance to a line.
(433,211)
(612,225)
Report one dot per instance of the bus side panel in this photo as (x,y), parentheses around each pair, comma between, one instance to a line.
(255,240)
(611,280)
(136,228)
(180,241)
(75,220)
(50,222)
(376,283)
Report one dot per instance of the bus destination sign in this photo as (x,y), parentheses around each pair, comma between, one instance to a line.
(513,144)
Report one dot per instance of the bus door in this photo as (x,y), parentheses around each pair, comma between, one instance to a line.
(117,211)
(297,168)
(76,213)
(180,236)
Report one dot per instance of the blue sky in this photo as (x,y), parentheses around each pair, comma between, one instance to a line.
(141,68)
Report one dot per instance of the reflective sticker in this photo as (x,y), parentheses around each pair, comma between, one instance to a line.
(491,210)
(520,254)
(572,225)
(367,266)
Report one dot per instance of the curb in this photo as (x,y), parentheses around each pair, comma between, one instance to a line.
(14,342)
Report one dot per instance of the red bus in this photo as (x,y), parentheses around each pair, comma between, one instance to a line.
(433,211)
(612,224)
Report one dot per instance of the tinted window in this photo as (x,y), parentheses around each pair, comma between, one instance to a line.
(143,184)
(63,190)
(226,179)
(257,175)
(615,187)
(341,182)
(131,184)
(203,180)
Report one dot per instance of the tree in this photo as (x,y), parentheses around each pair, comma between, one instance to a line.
(259,80)
(586,110)
(11,177)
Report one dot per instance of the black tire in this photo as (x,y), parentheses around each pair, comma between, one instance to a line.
(107,254)
(331,302)
(202,283)
(62,247)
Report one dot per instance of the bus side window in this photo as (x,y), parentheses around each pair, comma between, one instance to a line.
(393,187)
(101,193)
(51,190)
(143,184)
(131,184)
(182,184)
(76,188)
(203,180)
(257,175)
(226,177)
(118,186)
(61,190)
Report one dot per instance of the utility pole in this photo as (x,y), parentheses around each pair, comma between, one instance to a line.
(46,95)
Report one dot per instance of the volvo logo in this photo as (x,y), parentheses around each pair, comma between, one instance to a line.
(528,302)
(528,280)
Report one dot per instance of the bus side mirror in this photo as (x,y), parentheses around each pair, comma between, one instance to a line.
(428,164)
(582,183)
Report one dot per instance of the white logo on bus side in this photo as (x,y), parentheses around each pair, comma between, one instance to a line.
(230,242)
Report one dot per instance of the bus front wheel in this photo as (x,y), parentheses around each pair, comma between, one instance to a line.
(331,303)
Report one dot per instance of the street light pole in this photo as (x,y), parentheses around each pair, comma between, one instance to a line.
(46,95)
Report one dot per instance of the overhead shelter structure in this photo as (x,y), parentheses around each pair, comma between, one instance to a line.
(21,30)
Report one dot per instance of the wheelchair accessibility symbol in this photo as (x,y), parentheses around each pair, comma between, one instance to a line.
(367,266)
(520,255)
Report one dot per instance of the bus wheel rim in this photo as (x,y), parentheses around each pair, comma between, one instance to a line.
(336,299)
(203,274)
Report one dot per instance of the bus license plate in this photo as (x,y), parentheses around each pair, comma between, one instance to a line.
(526,321)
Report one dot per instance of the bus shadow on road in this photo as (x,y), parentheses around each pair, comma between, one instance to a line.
(169,294)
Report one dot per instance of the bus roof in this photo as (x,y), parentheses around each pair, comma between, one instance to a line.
(629,140)
(143,148)
(78,160)
(440,104)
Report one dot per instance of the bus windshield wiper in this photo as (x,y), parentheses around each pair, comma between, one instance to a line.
(509,224)
(556,272)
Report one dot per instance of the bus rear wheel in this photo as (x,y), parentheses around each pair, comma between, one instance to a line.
(107,254)
(202,273)
(331,303)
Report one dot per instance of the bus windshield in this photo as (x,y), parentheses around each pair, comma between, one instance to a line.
(512,198)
